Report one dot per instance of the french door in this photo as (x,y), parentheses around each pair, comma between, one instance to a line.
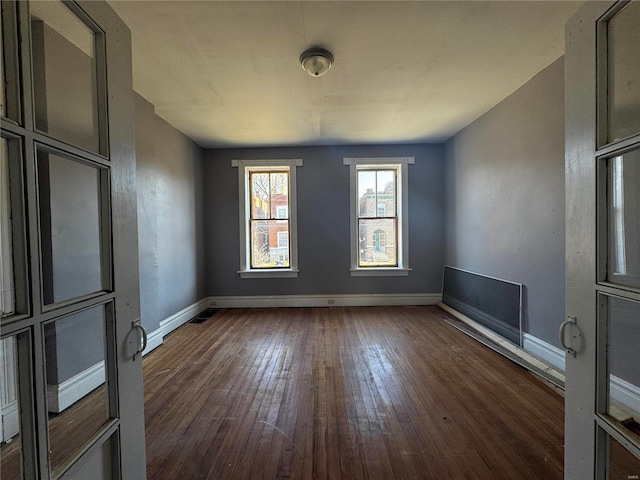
(602,331)
(71,386)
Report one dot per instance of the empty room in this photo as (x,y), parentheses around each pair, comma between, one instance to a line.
(320,240)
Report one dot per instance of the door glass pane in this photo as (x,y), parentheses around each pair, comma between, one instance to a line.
(623,465)
(623,199)
(3,77)
(70,227)
(7,293)
(623,366)
(65,85)
(9,97)
(623,72)
(10,438)
(76,389)
(378,242)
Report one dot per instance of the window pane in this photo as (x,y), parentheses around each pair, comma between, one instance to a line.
(10,438)
(279,194)
(377,243)
(367,193)
(65,85)
(623,367)
(9,97)
(624,71)
(75,372)
(624,219)
(70,223)
(386,188)
(7,292)
(266,252)
(3,76)
(260,195)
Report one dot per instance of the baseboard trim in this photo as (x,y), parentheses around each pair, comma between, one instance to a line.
(547,352)
(154,340)
(626,393)
(68,392)
(365,300)
(178,319)
(525,358)
(622,391)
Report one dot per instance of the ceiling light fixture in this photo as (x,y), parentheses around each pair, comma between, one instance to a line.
(316,61)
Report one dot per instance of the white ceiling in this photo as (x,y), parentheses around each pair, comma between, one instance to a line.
(227,73)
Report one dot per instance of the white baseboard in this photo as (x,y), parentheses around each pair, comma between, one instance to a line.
(154,340)
(626,393)
(364,300)
(70,391)
(622,391)
(10,418)
(547,352)
(168,325)
(178,319)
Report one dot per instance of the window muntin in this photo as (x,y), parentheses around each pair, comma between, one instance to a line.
(378,218)
(267,207)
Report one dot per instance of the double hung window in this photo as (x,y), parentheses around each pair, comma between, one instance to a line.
(268,233)
(379,223)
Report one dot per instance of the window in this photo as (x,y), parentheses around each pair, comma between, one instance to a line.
(268,233)
(283,242)
(379,223)
(282,211)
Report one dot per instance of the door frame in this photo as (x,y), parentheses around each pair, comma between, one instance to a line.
(116,105)
(587,431)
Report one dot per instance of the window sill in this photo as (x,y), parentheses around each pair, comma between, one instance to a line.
(269,273)
(380,272)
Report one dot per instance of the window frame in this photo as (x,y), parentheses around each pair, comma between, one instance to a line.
(400,165)
(245,167)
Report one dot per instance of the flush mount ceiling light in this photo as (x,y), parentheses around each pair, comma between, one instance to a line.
(316,61)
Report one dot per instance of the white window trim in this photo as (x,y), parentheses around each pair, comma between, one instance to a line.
(401,164)
(245,166)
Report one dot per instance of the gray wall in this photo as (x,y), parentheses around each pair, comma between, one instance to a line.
(170,215)
(323,222)
(505,197)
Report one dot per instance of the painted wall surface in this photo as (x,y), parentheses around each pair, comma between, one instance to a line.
(505,197)
(169,182)
(323,222)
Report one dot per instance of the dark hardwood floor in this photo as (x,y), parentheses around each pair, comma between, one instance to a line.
(340,393)
(344,393)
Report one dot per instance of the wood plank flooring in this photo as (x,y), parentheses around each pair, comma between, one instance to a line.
(344,393)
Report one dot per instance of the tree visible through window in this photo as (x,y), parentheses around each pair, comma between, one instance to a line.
(269,219)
